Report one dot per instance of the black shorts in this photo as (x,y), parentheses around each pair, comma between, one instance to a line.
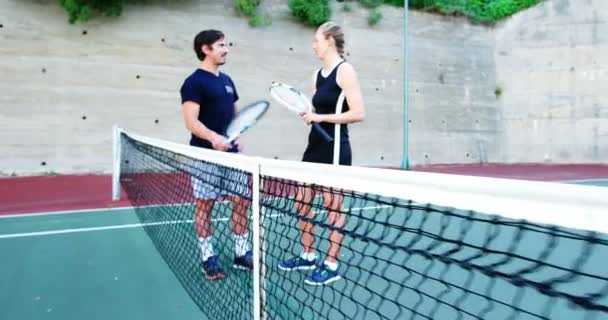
(323,152)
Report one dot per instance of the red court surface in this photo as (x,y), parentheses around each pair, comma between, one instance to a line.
(56,193)
(20,195)
(531,171)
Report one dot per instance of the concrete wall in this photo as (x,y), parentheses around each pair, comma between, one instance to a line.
(552,64)
(549,62)
(96,76)
(452,108)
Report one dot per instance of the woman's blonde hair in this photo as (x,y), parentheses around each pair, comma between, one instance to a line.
(334,31)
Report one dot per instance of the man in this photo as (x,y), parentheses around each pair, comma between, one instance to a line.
(209,104)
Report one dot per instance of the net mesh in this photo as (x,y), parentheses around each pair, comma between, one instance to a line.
(397,258)
(162,186)
(406,260)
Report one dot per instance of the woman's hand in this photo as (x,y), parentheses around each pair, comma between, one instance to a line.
(312,117)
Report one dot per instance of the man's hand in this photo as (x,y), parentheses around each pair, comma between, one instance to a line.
(219,143)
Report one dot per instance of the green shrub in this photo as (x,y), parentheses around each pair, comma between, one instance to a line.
(312,12)
(374,17)
(497,91)
(398,3)
(246,7)
(249,8)
(256,21)
(477,10)
(82,10)
(316,12)
(371,3)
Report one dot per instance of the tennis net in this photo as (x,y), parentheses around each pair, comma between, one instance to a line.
(407,245)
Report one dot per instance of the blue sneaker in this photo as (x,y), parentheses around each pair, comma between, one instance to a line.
(322,275)
(297,263)
(212,269)
(244,262)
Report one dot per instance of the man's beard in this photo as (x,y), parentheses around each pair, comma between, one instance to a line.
(221,61)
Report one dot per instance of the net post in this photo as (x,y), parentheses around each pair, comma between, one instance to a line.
(256,215)
(116,152)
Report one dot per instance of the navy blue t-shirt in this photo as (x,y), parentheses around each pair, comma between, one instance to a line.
(216,95)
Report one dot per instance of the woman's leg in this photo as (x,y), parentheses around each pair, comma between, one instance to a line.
(304,198)
(333,203)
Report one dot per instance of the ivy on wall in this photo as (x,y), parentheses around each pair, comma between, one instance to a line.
(316,12)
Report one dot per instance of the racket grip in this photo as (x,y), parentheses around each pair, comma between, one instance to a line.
(234,148)
(320,130)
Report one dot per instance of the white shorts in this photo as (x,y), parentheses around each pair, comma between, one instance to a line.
(213,181)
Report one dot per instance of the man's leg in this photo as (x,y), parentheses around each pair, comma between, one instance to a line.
(203,226)
(202,223)
(240,221)
(205,201)
(240,228)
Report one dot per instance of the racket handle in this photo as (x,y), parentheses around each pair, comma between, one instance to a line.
(234,148)
(320,130)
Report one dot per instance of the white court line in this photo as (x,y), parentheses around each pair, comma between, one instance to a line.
(136,225)
(585,180)
(84,211)
(48,213)
(109,209)
(64,231)
(60,212)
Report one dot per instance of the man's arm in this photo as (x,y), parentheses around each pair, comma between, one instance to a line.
(191,111)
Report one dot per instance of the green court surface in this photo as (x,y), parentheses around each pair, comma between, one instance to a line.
(89,265)
(592,182)
(416,279)
(103,265)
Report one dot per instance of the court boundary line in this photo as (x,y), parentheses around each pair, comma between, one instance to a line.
(85,211)
(139,225)
(60,212)
(92,210)
(585,180)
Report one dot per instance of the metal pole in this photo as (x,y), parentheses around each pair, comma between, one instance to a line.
(405,163)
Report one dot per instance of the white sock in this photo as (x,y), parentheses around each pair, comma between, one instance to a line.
(206,247)
(309,256)
(333,266)
(241,245)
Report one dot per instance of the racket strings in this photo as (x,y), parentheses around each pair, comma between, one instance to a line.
(246,118)
(292,99)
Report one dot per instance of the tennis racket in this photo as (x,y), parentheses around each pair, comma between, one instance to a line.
(245,119)
(297,102)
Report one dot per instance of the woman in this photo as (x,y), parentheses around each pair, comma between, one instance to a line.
(335,79)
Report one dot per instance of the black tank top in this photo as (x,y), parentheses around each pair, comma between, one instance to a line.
(324,101)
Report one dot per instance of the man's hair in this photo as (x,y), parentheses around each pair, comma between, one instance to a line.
(206,37)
